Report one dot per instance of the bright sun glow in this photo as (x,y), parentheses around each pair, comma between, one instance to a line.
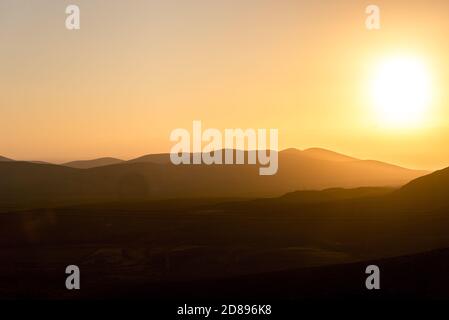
(401,91)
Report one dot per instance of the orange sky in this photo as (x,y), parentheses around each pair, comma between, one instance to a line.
(138,69)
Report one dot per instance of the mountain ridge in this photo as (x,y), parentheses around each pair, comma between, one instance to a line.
(48,184)
(428,191)
(5,159)
(93,163)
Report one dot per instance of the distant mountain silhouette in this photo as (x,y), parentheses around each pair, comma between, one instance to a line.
(323,154)
(152,177)
(161,158)
(314,168)
(5,159)
(87,164)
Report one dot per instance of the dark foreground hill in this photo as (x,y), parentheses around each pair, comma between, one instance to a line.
(203,249)
(427,192)
(418,276)
(303,245)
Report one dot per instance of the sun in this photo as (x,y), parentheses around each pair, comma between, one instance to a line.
(401,91)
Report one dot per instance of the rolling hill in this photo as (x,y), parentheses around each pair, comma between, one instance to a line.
(5,159)
(87,164)
(211,244)
(429,191)
(152,178)
(323,154)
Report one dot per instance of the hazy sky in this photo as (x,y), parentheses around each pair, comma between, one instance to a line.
(138,69)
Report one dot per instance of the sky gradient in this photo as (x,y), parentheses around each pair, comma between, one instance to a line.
(139,69)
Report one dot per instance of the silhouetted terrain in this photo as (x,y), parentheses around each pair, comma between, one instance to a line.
(152,177)
(334,194)
(5,159)
(427,192)
(419,276)
(304,244)
(160,158)
(86,164)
